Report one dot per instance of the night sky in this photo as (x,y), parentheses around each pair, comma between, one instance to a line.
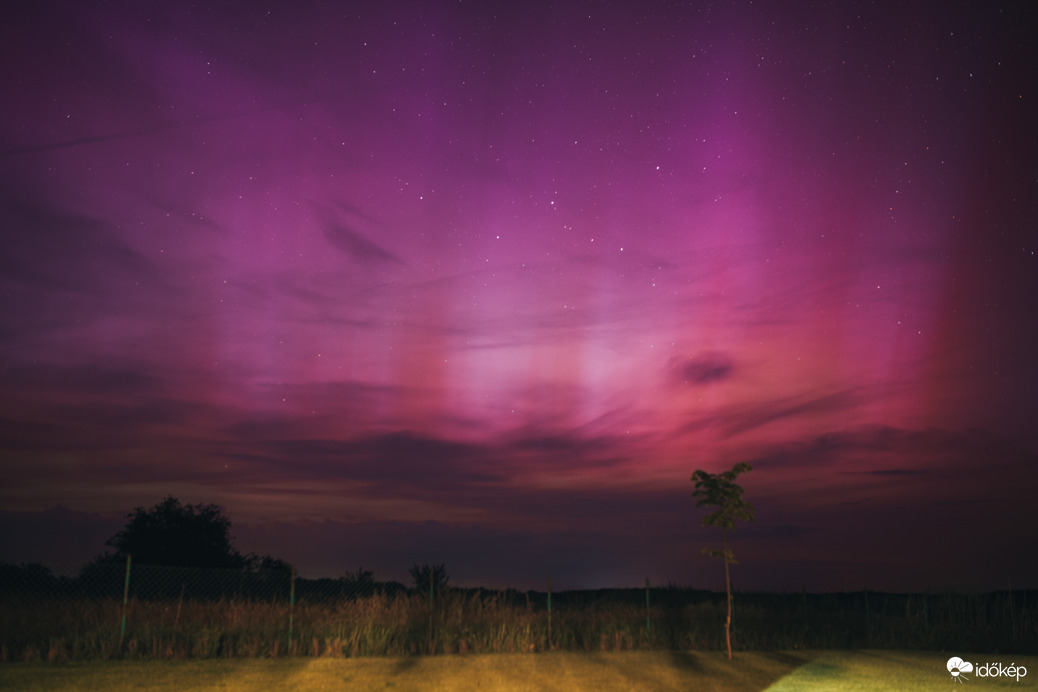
(483,283)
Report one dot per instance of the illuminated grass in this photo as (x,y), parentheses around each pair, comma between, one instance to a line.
(630,670)
(549,671)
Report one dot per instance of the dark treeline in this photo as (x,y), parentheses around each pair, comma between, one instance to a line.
(264,582)
(103,580)
(254,582)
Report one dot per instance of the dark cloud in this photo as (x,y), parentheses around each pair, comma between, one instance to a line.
(895,472)
(96,398)
(62,269)
(741,418)
(474,554)
(100,376)
(403,464)
(747,418)
(343,235)
(61,538)
(390,465)
(706,368)
(18,435)
(49,248)
(571,448)
(882,450)
(356,245)
(393,461)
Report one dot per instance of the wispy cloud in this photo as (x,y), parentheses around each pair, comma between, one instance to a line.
(706,368)
(344,236)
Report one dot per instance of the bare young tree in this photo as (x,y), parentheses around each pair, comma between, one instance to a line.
(720,490)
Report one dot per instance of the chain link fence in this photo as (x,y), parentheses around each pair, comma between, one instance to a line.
(119,609)
(124,610)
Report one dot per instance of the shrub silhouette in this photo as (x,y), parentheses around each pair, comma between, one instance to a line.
(430,575)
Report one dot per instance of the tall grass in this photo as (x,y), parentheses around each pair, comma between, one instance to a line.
(56,629)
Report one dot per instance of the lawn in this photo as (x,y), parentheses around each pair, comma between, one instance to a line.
(605,672)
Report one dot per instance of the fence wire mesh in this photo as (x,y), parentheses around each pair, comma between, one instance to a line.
(116,610)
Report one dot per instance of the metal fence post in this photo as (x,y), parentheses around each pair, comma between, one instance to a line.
(868,619)
(432,573)
(291,606)
(176,621)
(549,611)
(126,597)
(648,623)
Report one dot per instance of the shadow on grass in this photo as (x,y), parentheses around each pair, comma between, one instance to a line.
(756,670)
(787,659)
(683,660)
(405,664)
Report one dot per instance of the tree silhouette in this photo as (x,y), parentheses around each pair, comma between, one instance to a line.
(359,583)
(172,534)
(720,490)
(266,563)
(426,575)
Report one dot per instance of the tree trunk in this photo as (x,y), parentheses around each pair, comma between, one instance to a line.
(728,588)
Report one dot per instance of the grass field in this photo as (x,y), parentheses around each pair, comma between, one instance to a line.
(844,671)
(77,629)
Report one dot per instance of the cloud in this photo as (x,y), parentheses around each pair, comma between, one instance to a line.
(90,376)
(751,417)
(740,418)
(885,450)
(355,244)
(59,537)
(58,250)
(392,462)
(706,368)
(348,239)
(895,472)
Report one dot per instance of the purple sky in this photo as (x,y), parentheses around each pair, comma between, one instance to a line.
(484,283)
